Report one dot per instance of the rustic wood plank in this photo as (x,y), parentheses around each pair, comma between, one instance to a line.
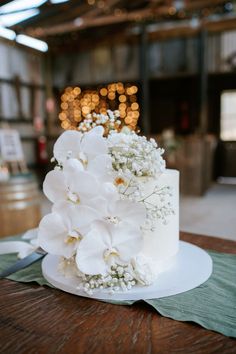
(211,243)
(35,319)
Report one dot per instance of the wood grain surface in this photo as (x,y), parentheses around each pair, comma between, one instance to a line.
(36,319)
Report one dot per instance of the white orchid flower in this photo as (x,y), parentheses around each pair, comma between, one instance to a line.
(106,244)
(60,232)
(125,211)
(115,211)
(84,147)
(72,183)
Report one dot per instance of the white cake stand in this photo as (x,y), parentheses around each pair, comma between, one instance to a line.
(191,268)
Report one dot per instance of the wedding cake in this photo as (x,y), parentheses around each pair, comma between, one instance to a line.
(115,213)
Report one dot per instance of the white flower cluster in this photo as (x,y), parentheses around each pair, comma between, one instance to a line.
(89,226)
(110,121)
(120,278)
(135,154)
(160,210)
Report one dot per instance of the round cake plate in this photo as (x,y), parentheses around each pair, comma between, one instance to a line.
(192,267)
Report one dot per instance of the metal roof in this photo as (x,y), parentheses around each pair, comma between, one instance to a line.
(88,19)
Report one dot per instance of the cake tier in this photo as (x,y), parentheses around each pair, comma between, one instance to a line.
(162,244)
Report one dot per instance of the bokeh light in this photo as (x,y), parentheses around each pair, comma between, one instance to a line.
(76,104)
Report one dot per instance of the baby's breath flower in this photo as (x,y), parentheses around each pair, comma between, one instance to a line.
(110,121)
(120,277)
(136,154)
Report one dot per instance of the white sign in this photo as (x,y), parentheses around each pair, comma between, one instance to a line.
(10,145)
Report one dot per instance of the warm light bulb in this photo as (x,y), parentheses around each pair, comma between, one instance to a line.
(103,91)
(122,98)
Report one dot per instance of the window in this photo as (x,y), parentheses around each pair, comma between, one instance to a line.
(228,116)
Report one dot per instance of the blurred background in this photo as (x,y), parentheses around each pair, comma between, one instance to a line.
(170,64)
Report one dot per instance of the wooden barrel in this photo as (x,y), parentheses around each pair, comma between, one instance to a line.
(19,205)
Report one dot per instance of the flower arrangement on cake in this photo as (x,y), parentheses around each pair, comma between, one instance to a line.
(114,219)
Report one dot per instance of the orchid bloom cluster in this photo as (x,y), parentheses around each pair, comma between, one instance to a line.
(89,224)
(100,208)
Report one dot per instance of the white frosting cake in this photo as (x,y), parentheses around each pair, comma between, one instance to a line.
(115,215)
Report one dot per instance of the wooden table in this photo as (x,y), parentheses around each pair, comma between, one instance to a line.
(35,319)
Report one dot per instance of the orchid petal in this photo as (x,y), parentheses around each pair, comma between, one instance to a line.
(99,130)
(68,142)
(110,192)
(52,235)
(93,144)
(80,216)
(62,207)
(128,241)
(99,204)
(72,165)
(71,168)
(108,195)
(90,252)
(100,165)
(84,184)
(54,186)
(130,212)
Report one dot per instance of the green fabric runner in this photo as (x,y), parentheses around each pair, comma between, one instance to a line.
(212,305)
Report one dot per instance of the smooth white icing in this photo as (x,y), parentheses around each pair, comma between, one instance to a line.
(162,244)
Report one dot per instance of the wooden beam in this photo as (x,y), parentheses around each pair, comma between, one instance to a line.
(200,4)
(149,13)
(134,16)
(95,11)
(181,31)
(224,24)
(228,22)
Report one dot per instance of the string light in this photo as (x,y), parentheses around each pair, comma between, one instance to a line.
(77,104)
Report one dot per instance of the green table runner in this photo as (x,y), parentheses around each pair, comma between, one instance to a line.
(212,305)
